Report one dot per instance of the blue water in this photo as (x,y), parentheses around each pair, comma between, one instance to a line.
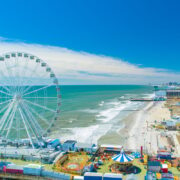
(90,112)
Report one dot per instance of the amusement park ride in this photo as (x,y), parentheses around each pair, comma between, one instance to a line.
(29,99)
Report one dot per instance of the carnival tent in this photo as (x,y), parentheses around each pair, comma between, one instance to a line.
(122,157)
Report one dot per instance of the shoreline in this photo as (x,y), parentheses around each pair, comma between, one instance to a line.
(119,136)
(140,133)
(137,129)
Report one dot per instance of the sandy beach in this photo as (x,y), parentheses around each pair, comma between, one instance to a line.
(138,131)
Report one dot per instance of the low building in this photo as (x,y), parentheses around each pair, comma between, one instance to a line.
(33,169)
(110,148)
(93,175)
(163,154)
(113,176)
(164,168)
(69,145)
(173,93)
(170,125)
(84,147)
(154,166)
(54,143)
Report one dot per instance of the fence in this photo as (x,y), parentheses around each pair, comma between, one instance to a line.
(19,156)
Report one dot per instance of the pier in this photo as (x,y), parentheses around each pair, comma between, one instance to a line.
(141,99)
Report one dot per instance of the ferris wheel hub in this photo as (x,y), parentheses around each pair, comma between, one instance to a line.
(18,97)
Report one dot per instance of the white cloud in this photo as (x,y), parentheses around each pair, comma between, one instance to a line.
(84,68)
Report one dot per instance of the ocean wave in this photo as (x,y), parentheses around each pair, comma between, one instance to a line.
(121,97)
(91,111)
(101,103)
(89,134)
(111,111)
(148,95)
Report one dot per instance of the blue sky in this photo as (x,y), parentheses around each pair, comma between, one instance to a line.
(142,33)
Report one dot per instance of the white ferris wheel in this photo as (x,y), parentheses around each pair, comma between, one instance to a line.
(29,98)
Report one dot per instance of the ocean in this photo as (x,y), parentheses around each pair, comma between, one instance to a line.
(94,113)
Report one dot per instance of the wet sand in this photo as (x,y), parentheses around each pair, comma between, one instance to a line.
(141,132)
(137,129)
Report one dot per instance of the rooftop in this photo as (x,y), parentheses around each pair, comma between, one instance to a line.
(154,163)
(173,90)
(70,142)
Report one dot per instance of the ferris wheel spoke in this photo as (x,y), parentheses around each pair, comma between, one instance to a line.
(5,93)
(17,73)
(39,116)
(32,73)
(11,120)
(28,121)
(38,105)
(20,76)
(4,124)
(33,120)
(27,130)
(5,101)
(10,75)
(6,113)
(26,114)
(21,80)
(5,107)
(8,119)
(4,87)
(5,118)
(25,67)
(27,89)
(5,78)
(36,90)
(18,128)
(11,71)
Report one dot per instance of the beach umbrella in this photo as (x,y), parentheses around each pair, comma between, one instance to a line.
(122,157)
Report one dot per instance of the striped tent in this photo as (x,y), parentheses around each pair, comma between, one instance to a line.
(122,157)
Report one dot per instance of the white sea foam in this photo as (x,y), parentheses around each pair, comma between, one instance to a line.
(89,110)
(122,97)
(106,116)
(72,119)
(102,103)
(111,112)
(148,95)
(89,134)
